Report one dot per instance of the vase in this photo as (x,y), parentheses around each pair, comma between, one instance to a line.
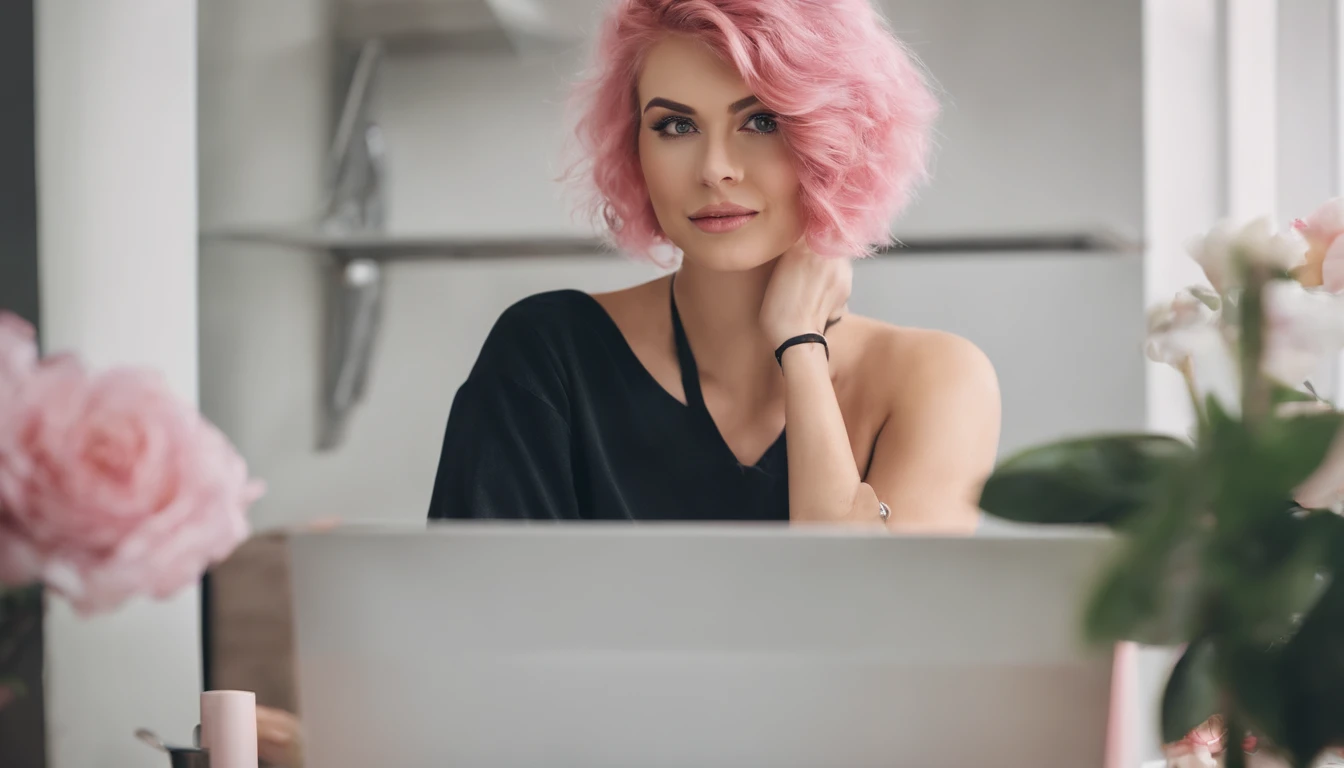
(22,708)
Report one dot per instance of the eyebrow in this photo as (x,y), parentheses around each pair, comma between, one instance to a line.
(676,106)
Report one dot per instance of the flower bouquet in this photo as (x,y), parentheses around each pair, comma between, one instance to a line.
(110,487)
(1232,548)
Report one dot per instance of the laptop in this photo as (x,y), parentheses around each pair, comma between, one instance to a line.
(649,645)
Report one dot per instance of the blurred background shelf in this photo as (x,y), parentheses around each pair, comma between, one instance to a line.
(385,248)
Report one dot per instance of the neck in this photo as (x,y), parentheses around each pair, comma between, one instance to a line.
(721,314)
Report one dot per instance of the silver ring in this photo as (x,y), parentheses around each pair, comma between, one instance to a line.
(883,511)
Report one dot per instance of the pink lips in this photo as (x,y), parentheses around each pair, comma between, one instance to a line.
(722,217)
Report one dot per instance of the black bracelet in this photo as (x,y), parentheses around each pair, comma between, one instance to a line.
(806,338)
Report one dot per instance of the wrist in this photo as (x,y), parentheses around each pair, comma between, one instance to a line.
(783,333)
(802,347)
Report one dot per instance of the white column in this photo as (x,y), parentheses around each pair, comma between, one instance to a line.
(116,169)
(1252,108)
(1337,92)
(1183,158)
(1307,131)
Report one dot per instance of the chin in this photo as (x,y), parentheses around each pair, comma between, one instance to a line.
(727,254)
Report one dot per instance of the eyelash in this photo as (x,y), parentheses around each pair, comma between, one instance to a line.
(659,126)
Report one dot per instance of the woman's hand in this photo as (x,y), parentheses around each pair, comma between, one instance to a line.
(278,738)
(805,293)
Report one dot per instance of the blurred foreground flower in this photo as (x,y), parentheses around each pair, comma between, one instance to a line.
(1231,548)
(1258,243)
(110,486)
(1324,265)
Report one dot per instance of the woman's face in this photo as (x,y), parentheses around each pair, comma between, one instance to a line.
(720,177)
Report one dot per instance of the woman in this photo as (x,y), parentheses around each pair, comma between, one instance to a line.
(768,141)
(752,135)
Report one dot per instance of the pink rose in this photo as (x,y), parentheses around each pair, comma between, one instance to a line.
(1325,249)
(110,487)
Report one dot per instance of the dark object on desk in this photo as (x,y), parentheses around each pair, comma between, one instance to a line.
(179,756)
(249,634)
(189,757)
(22,704)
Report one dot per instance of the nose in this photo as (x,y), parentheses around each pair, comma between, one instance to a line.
(720,164)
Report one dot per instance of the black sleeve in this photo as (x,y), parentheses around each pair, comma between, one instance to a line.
(506,449)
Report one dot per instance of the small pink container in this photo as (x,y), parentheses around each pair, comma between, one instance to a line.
(229,728)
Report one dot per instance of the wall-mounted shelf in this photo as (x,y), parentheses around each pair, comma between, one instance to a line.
(386,248)
(400,248)
(354,262)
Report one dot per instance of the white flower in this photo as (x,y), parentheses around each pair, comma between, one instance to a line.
(1186,333)
(1270,248)
(1295,408)
(1257,241)
(1177,327)
(1304,330)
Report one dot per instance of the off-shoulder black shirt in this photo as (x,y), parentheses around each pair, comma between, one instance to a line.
(559,420)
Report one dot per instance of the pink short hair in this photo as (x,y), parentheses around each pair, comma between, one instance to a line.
(853,106)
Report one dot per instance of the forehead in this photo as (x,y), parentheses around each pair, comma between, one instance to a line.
(685,70)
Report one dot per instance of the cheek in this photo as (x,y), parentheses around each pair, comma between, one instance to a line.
(660,175)
(778,179)
(779,183)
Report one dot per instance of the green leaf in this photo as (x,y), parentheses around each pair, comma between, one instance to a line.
(1313,676)
(1270,575)
(1251,675)
(1094,480)
(1255,471)
(1191,696)
(1152,593)
(1280,394)
(1294,447)
(1147,599)
(1312,667)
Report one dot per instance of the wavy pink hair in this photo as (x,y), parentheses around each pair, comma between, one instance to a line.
(853,106)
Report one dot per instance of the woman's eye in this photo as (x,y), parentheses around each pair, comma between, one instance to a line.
(763,123)
(674,126)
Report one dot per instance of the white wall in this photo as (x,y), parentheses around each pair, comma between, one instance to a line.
(264,106)
(116,170)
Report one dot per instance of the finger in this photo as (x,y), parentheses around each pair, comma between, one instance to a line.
(837,317)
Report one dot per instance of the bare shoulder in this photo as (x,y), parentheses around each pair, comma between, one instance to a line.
(912,364)
(938,397)
(921,379)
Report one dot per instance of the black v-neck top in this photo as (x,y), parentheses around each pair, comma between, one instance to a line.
(559,420)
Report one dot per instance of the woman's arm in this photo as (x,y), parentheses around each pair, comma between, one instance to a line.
(941,436)
(938,441)
(824,483)
(934,449)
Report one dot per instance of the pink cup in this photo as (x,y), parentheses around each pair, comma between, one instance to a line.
(229,728)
